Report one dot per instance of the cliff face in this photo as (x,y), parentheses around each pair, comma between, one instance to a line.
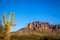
(43,27)
(56,28)
(39,26)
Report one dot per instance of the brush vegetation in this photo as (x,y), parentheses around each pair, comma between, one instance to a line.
(34,36)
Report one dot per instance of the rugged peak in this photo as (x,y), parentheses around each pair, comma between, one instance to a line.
(36,26)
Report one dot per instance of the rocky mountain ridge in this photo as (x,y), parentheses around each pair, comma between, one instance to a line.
(41,27)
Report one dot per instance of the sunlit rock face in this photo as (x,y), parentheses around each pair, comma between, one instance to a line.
(39,26)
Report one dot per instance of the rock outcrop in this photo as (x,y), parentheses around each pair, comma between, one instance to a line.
(40,27)
(56,28)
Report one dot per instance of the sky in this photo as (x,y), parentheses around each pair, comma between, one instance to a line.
(26,11)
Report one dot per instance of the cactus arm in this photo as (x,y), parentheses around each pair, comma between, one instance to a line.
(9,18)
(12,19)
(4,18)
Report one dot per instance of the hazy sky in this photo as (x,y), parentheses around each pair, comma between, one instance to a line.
(26,11)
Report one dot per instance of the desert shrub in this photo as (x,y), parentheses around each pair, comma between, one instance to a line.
(50,37)
(35,37)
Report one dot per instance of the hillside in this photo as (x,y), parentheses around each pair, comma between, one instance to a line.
(39,27)
(37,31)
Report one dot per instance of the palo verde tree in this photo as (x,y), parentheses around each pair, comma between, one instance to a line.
(7,24)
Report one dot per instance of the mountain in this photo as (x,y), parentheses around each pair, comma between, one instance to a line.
(39,27)
(56,28)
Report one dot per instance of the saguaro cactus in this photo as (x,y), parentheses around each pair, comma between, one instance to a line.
(7,24)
